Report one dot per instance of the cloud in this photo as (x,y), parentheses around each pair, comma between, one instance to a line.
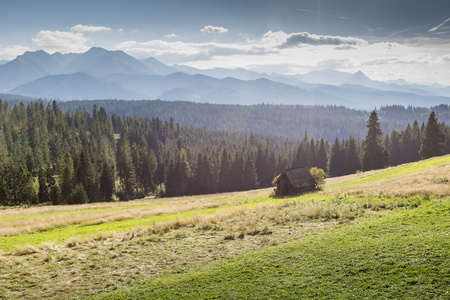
(171,35)
(89,28)
(59,41)
(302,38)
(305,10)
(13,51)
(439,26)
(213,29)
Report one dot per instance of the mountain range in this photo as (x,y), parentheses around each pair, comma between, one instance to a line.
(102,74)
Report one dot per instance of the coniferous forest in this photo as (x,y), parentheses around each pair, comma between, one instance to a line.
(80,156)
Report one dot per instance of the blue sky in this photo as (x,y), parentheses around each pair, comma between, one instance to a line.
(386,39)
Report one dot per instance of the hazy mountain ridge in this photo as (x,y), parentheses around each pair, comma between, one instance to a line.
(102,74)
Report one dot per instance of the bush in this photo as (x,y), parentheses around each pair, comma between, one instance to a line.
(319,177)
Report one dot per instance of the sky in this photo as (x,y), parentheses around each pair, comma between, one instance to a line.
(385,39)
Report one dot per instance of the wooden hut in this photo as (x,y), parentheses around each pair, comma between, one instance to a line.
(295,181)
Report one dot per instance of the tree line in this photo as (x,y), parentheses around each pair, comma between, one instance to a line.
(47,156)
(327,122)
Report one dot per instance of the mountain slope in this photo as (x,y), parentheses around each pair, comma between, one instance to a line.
(25,68)
(101,62)
(158,67)
(74,86)
(151,79)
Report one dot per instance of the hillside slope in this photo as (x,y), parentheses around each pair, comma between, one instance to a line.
(370,243)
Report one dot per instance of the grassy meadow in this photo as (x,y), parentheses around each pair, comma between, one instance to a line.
(379,234)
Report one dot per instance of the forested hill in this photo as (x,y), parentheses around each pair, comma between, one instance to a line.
(77,157)
(327,122)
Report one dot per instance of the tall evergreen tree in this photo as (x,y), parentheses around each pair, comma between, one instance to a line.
(249,175)
(408,151)
(87,176)
(433,138)
(352,159)
(336,165)
(375,155)
(396,157)
(224,180)
(236,172)
(44,190)
(107,185)
(416,140)
(67,179)
(127,170)
(183,173)
(322,155)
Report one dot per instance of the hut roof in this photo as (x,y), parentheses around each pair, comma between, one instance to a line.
(299,177)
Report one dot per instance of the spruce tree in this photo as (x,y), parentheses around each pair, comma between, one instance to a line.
(224,172)
(44,191)
(352,159)
(127,170)
(433,139)
(322,155)
(249,175)
(336,165)
(236,172)
(107,185)
(67,179)
(396,154)
(375,155)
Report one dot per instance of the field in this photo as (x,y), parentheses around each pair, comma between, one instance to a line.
(381,234)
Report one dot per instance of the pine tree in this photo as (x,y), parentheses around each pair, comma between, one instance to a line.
(44,190)
(127,171)
(408,151)
(67,179)
(352,159)
(224,172)
(396,156)
(87,176)
(170,181)
(204,180)
(336,165)
(249,175)
(107,185)
(322,155)
(311,155)
(433,139)
(375,155)
(149,167)
(416,140)
(183,173)
(236,172)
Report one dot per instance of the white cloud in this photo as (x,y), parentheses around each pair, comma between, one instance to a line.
(89,28)
(171,35)
(274,39)
(380,60)
(214,29)
(59,41)
(13,51)
(439,26)
(302,38)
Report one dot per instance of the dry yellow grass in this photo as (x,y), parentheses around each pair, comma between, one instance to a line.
(11,227)
(27,220)
(428,182)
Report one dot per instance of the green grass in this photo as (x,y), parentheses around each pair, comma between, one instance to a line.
(63,234)
(396,172)
(77,211)
(392,248)
(401,255)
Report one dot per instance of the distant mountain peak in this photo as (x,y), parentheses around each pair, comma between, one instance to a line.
(97,50)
